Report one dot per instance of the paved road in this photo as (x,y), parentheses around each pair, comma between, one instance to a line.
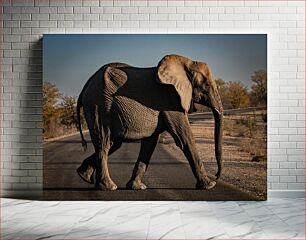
(167,178)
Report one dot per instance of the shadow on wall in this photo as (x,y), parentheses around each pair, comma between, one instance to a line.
(30,155)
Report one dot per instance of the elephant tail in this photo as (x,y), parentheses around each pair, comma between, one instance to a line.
(79,105)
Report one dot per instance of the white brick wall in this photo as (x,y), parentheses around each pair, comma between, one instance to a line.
(24,22)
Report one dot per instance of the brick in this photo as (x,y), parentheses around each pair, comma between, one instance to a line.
(287,145)
(122,3)
(297,157)
(202,10)
(39,31)
(81,9)
(129,10)
(261,10)
(7,16)
(91,3)
(296,172)
(296,124)
(185,24)
(56,17)
(49,10)
(21,17)
(39,16)
(276,186)
(242,10)
(148,24)
(98,24)
(74,3)
(185,9)
(130,24)
(161,17)
(11,24)
(73,16)
(273,179)
(287,165)
(217,10)
(20,46)
(300,179)
(242,24)
(190,17)
(29,24)
(62,10)
(139,17)
(81,24)
(29,10)
(112,10)
(47,23)
(11,53)
(42,3)
(210,17)
(296,186)
(265,24)
(91,16)
(96,10)
(11,9)
(35,173)
(166,9)
(105,17)
(10,179)
(288,179)
(21,31)
(158,3)
(114,24)
(287,131)
(228,17)
(19,173)
(23,3)
(167,24)
(64,24)
(176,17)
(120,17)
(147,9)
(231,3)
(221,24)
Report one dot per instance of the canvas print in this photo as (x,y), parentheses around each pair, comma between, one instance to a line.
(155,116)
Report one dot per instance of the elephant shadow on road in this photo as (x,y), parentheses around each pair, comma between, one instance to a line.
(167,177)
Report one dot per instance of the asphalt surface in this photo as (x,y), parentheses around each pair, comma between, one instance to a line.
(167,177)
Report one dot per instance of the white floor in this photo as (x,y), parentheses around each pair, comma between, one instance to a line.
(273,219)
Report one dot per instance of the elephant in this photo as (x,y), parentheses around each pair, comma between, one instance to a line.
(122,103)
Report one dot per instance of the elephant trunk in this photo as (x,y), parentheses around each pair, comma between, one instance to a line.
(218,115)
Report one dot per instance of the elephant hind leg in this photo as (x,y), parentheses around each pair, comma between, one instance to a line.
(146,150)
(87,168)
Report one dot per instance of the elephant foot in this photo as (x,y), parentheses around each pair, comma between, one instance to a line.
(135,185)
(85,176)
(108,185)
(205,185)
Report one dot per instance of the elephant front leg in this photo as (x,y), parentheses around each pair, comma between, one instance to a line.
(179,128)
(146,150)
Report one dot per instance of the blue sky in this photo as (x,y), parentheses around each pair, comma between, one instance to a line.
(70,59)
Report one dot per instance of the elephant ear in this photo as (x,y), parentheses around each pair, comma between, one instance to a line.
(172,70)
(114,77)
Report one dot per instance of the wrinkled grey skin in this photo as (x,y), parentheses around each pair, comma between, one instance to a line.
(123,103)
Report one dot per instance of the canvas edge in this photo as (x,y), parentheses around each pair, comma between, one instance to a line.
(38,194)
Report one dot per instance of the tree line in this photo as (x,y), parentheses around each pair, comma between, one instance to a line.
(236,94)
(59,110)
